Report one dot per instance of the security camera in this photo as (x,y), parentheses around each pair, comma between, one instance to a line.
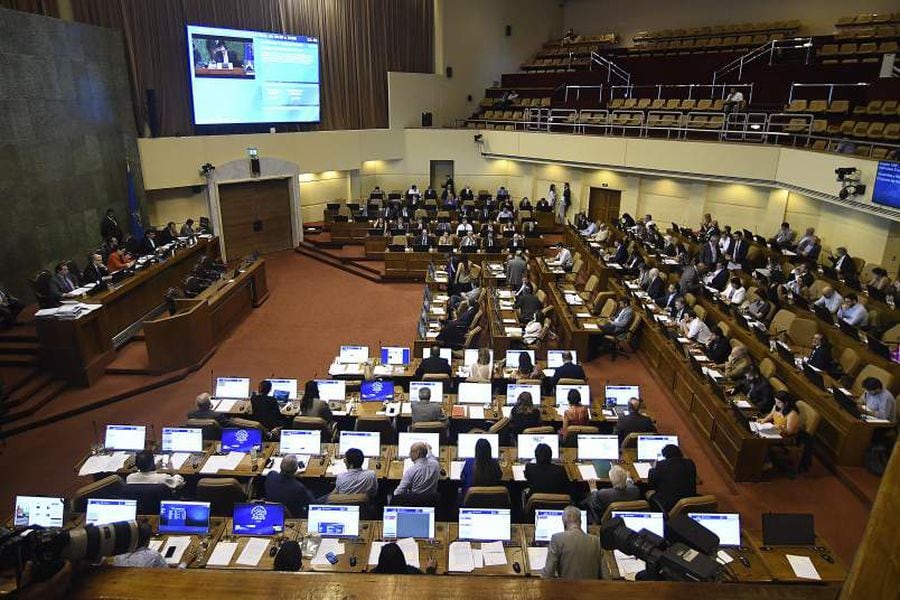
(844,173)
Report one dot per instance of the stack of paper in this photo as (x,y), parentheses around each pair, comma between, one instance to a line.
(225,405)
(180,543)
(518,472)
(460,560)
(104,463)
(456,468)
(537,558)
(803,567)
(642,469)
(223,462)
(253,551)
(494,554)
(628,566)
(587,472)
(337,466)
(476,412)
(222,554)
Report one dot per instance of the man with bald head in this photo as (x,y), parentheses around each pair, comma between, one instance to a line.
(204,409)
(573,554)
(283,486)
(421,477)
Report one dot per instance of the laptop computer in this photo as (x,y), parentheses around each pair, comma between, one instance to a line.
(182,439)
(240,440)
(353,354)
(436,387)
(102,511)
(332,390)
(474,393)
(785,352)
(596,446)
(814,375)
(43,511)
(636,521)
(514,389)
(234,388)
(395,355)
(548,522)
(562,394)
(555,358)
(179,516)
(849,329)
(465,444)
(823,313)
(878,347)
(527,442)
(846,402)
(649,447)
(617,397)
(369,442)
(284,390)
(726,526)
(300,442)
(376,391)
(405,440)
(788,529)
(258,518)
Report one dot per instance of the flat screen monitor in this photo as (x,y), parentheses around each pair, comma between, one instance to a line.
(788,529)
(562,394)
(474,393)
(408,522)
(514,389)
(465,444)
(595,446)
(886,190)
(354,354)
(182,439)
(436,387)
(445,353)
(125,437)
(635,521)
(284,389)
(405,440)
(333,520)
(394,355)
(727,526)
(39,510)
(247,77)
(488,524)
(619,395)
(232,387)
(376,391)
(179,516)
(649,447)
(300,441)
(369,442)
(527,442)
(235,439)
(102,511)
(549,522)
(555,358)
(471,356)
(258,518)
(332,389)
(512,358)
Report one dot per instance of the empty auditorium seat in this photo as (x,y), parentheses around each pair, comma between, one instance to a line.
(838,107)
(796,106)
(817,106)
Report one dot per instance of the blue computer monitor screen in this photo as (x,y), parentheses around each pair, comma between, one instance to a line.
(408,521)
(376,391)
(258,519)
(241,440)
(184,517)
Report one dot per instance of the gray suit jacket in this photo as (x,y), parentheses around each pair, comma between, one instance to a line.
(426,411)
(515,271)
(573,554)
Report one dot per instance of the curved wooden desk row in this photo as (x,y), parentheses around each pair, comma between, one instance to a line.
(201,323)
(79,350)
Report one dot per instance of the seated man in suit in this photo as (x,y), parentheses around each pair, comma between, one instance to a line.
(423,238)
(265,407)
(573,554)
(204,410)
(784,237)
(425,410)
(656,286)
(738,362)
(622,490)
(620,321)
(717,347)
(757,389)
(678,308)
(62,282)
(187,230)
(820,355)
(95,271)
(150,245)
(809,245)
(284,487)
(843,264)
(691,274)
(527,304)
(567,370)
(718,277)
(633,421)
(433,364)
(619,254)
(10,307)
(667,300)
(673,478)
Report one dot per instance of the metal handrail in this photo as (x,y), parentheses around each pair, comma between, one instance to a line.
(690,86)
(830,87)
(611,68)
(740,62)
(578,89)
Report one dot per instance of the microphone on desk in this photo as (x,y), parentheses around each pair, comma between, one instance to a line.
(152,435)
(96,437)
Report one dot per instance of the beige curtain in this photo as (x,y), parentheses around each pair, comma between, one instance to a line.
(361,40)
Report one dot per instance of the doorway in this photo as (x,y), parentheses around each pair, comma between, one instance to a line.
(440,169)
(256,217)
(604,204)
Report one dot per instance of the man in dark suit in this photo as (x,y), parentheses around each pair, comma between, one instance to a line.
(10,307)
(739,249)
(204,410)
(719,277)
(62,282)
(465,314)
(843,264)
(667,300)
(689,282)
(820,355)
(633,422)
(109,226)
(265,407)
(621,253)
(568,370)
(149,245)
(656,289)
(678,309)
(717,348)
(527,304)
(423,238)
(284,487)
(673,478)
(433,364)
(709,253)
(95,271)
(757,390)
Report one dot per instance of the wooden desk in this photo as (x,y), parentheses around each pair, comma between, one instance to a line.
(436,548)
(292,530)
(514,553)
(775,561)
(200,545)
(245,468)
(357,548)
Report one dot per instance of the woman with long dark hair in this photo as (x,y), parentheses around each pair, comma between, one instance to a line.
(312,406)
(482,470)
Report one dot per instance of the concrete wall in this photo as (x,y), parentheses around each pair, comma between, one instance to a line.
(609,16)
(66,131)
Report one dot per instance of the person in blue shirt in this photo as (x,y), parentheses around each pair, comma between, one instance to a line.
(852,312)
(482,470)
(284,487)
(877,401)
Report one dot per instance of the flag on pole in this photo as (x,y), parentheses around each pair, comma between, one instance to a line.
(137,227)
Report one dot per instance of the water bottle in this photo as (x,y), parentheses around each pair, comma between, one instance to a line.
(253,452)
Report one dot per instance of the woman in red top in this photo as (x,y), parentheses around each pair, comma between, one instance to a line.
(117,261)
(576,414)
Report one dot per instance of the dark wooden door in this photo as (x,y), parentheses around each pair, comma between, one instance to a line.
(603,204)
(256,216)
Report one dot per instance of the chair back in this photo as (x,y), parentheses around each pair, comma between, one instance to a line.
(495,496)
(811,417)
(471,336)
(572,433)
(210,427)
(630,505)
(850,361)
(247,424)
(781,321)
(571,381)
(777,384)
(701,504)
(539,429)
(108,487)
(380,423)
(148,496)
(436,377)
(630,441)
(439,427)
(767,367)
(499,426)
(221,493)
(360,500)
(886,379)
(314,424)
(545,502)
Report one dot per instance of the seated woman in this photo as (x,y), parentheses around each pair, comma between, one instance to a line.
(523,415)
(788,422)
(312,406)
(576,413)
(482,470)
(526,369)
(392,562)
(482,369)
(623,489)
(543,476)
(878,280)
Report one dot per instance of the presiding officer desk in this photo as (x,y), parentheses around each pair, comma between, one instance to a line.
(80,349)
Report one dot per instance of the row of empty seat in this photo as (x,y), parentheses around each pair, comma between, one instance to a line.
(520,103)
(867,19)
(851,52)
(887,108)
(713,44)
(882,32)
(784,27)
(556,64)
(666,104)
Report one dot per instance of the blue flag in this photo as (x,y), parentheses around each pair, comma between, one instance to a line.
(134,211)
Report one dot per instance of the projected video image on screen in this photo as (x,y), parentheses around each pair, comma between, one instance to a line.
(887,184)
(245,77)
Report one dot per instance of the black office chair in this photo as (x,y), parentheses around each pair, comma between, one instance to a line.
(148,496)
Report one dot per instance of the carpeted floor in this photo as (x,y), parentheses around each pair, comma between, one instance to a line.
(315,308)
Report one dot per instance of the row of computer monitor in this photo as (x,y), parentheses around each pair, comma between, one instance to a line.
(308,442)
(286,389)
(331,520)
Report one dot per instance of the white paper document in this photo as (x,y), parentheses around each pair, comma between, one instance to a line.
(253,551)
(460,559)
(456,468)
(743,404)
(179,458)
(337,467)
(476,412)
(332,545)
(222,554)
(590,326)
(225,405)
(587,472)
(155,545)
(220,462)
(642,469)
(494,554)
(518,472)
(180,543)
(276,465)
(410,551)
(537,558)
(477,558)
(628,566)
(103,463)
(803,567)
(723,557)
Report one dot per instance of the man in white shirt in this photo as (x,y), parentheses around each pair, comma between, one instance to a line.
(734,101)
(694,328)
(602,233)
(564,257)
(830,299)
(463,228)
(146,465)
(590,230)
(413,192)
(735,292)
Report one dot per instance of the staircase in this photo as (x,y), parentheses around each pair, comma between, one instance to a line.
(354,265)
(19,347)
(26,388)
(29,396)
